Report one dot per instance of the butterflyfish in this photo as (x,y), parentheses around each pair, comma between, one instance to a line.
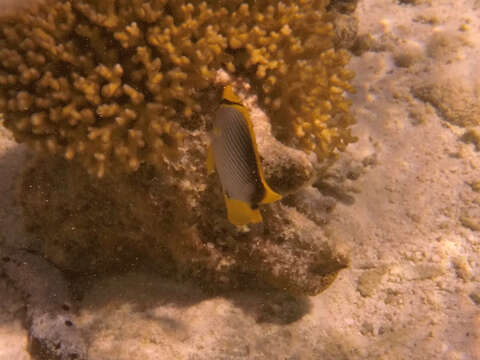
(233,154)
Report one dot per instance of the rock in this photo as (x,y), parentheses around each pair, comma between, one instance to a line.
(408,55)
(343,6)
(462,268)
(470,223)
(444,45)
(425,271)
(100,225)
(13,335)
(472,135)
(52,333)
(454,98)
(370,280)
(313,204)
(414,2)
(475,296)
(346,29)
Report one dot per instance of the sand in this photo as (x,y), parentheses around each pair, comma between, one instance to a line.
(411,219)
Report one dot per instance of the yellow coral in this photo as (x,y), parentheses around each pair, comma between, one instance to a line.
(116,83)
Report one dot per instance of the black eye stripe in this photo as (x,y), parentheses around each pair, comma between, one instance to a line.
(228,102)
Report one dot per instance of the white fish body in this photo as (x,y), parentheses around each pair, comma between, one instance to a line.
(233,153)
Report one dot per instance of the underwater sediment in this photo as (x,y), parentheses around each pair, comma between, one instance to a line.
(116,98)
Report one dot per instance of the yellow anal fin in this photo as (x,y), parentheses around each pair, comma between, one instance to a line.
(210,160)
(240,213)
(270,195)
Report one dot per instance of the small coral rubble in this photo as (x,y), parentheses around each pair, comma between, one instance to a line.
(117,83)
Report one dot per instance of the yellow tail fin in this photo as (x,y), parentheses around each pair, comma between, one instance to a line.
(240,213)
(210,160)
(270,195)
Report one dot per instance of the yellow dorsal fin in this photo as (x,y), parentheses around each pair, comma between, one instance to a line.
(240,213)
(228,94)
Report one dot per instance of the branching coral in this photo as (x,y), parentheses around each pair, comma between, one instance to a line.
(117,83)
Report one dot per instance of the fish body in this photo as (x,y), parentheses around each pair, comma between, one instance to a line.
(233,153)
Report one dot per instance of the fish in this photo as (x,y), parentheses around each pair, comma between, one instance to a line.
(234,155)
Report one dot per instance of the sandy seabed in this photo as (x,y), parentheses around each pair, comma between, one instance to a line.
(411,219)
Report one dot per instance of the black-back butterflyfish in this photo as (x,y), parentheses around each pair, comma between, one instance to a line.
(233,153)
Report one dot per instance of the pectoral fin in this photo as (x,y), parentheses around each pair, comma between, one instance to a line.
(210,160)
(240,213)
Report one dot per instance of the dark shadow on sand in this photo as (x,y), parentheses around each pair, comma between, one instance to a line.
(145,290)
